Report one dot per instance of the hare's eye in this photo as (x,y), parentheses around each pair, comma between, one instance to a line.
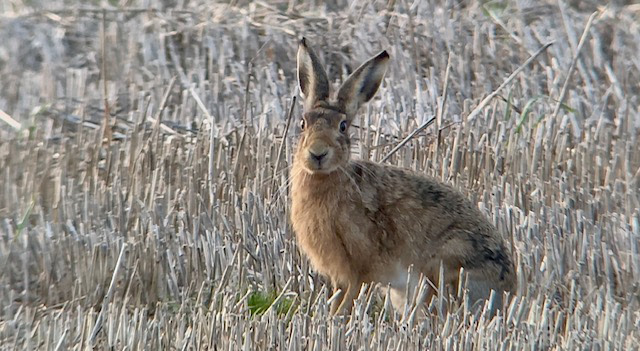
(302,124)
(343,126)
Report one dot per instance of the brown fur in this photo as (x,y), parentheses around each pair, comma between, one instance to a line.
(361,222)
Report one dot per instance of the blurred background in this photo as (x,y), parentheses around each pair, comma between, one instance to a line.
(145,149)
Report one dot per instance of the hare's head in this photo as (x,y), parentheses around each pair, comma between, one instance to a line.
(324,145)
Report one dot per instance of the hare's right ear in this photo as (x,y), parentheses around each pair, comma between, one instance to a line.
(312,78)
(362,84)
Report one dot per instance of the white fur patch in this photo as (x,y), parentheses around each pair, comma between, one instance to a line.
(398,286)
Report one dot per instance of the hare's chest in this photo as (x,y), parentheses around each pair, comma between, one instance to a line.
(332,241)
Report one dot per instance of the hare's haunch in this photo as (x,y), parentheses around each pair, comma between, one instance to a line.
(362,222)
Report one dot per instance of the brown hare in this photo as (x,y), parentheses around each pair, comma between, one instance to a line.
(362,222)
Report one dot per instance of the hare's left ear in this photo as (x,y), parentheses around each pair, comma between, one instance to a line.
(312,78)
(362,84)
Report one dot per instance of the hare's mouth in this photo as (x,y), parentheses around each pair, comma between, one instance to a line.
(320,171)
(313,167)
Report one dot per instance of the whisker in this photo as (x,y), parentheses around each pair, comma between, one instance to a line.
(373,174)
(279,172)
(355,184)
(351,179)
(275,197)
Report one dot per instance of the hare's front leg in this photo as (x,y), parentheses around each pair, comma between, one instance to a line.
(337,301)
(344,302)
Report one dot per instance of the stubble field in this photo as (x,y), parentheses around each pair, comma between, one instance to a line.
(145,149)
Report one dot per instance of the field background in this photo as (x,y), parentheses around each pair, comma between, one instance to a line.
(145,148)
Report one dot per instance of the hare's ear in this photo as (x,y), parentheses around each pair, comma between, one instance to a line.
(311,76)
(363,83)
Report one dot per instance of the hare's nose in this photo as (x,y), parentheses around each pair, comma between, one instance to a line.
(318,157)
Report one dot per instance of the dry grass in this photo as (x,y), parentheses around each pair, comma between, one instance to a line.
(141,212)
